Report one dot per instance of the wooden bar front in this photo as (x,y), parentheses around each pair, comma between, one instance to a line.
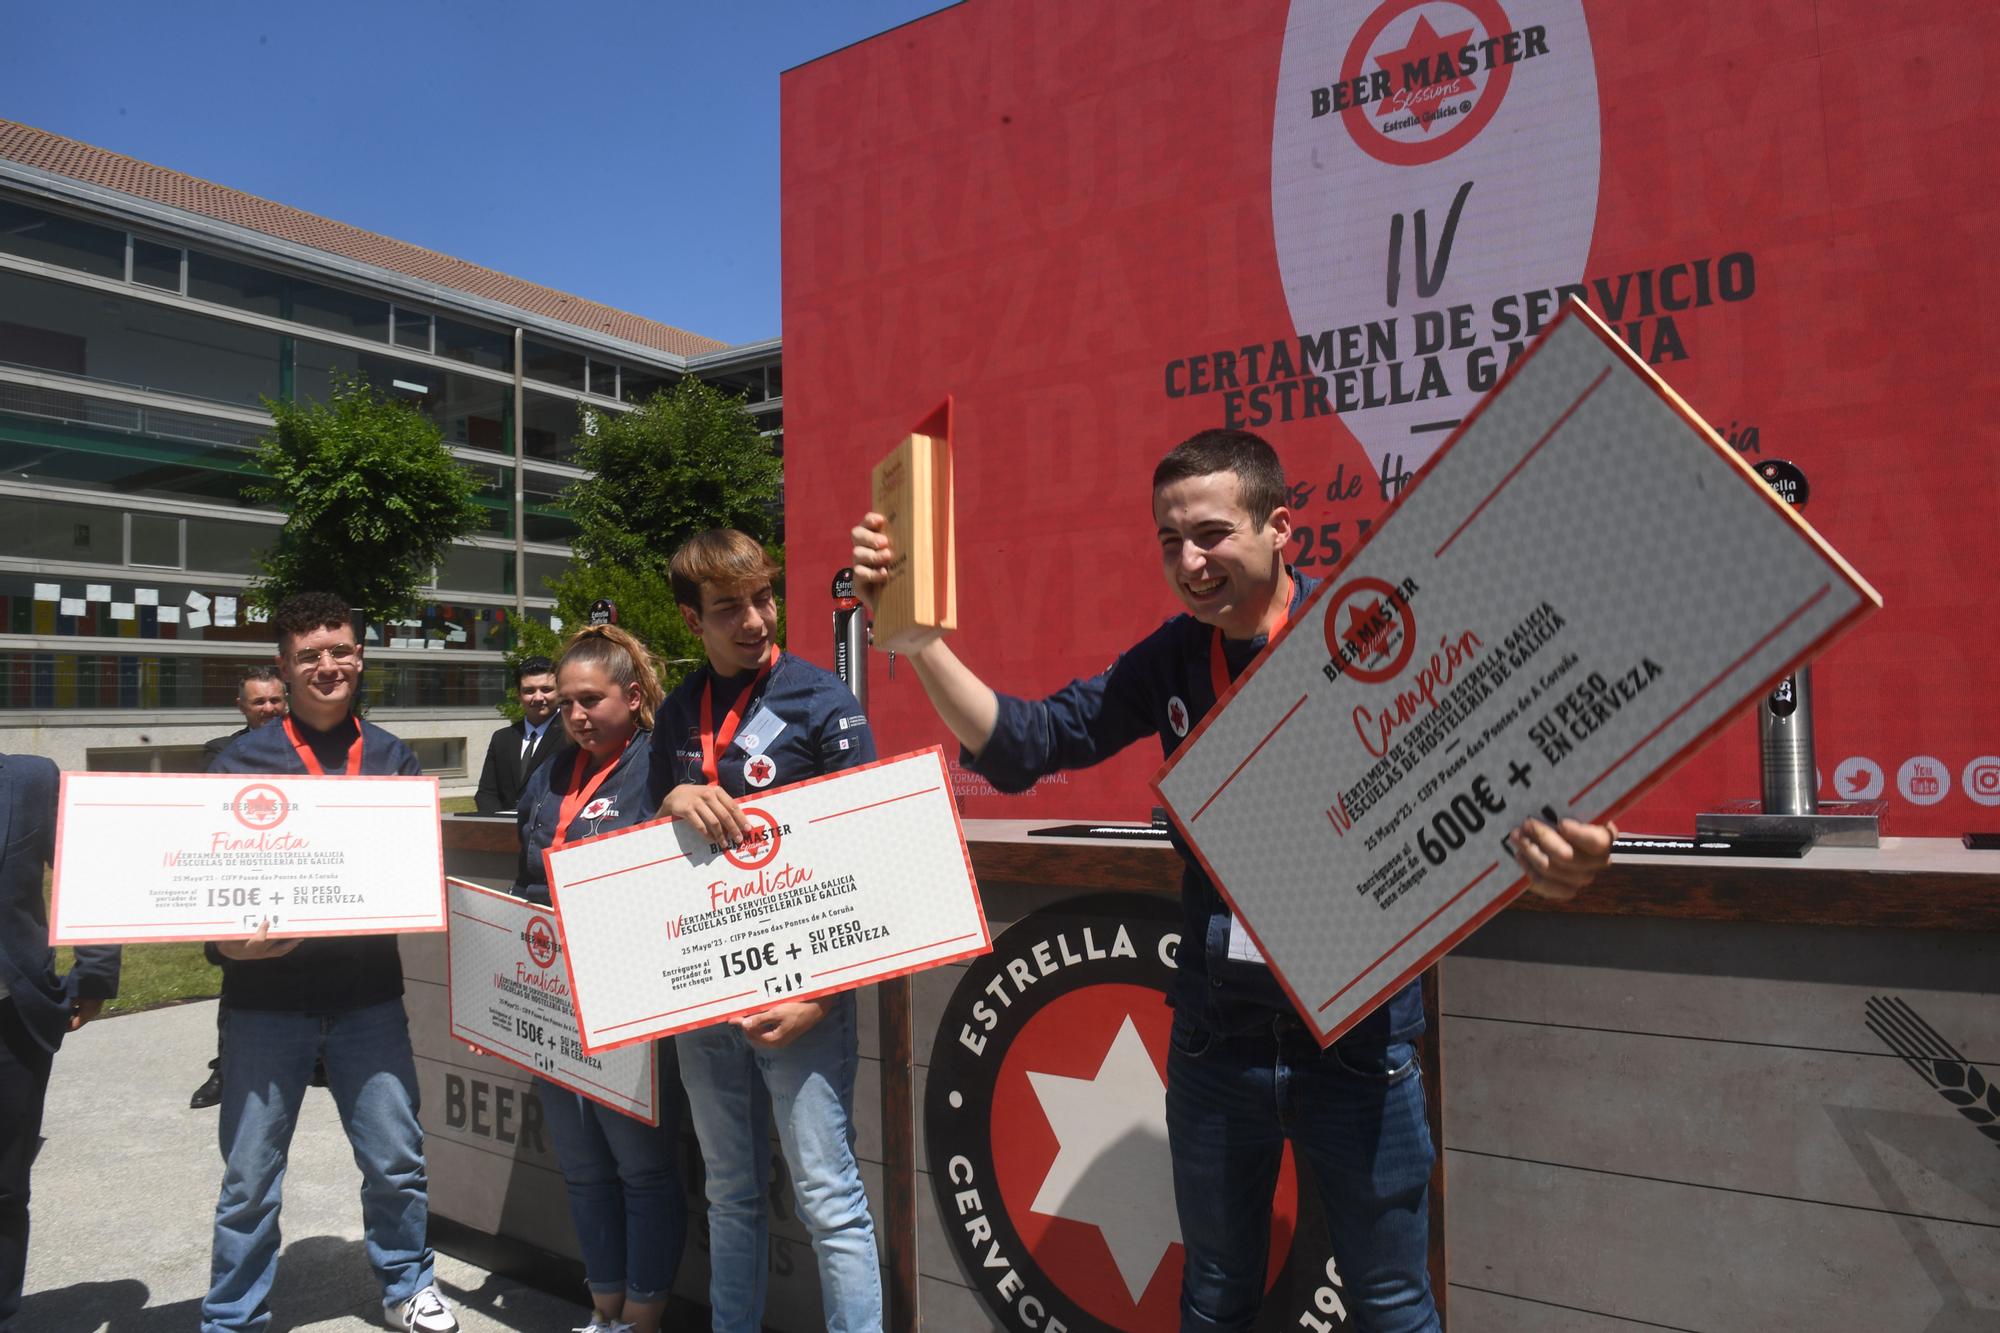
(1665,1105)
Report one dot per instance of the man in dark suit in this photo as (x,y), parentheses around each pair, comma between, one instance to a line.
(260,697)
(37,1007)
(519,748)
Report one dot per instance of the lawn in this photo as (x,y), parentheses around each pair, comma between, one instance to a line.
(157,974)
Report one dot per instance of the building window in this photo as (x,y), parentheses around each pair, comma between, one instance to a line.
(442,756)
(475,346)
(413,330)
(238,286)
(156,265)
(52,238)
(216,546)
(153,540)
(552,365)
(640,386)
(603,378)
(339,311)
(549,426)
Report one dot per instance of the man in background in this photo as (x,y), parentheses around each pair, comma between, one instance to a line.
(37,1007)
(260,697)
(519,748)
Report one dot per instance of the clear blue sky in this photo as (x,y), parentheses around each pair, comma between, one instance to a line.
(625,151)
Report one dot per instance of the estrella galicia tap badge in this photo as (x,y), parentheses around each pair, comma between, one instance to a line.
(1045,1121)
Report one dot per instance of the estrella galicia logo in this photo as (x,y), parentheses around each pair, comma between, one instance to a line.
(1937,1062)
(1045,1121)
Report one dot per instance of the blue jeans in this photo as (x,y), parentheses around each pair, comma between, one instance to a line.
(1355,1116)
(267,1061)
(624,1189)
(732,1089)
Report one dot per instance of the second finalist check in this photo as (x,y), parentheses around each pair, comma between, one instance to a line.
(842,881)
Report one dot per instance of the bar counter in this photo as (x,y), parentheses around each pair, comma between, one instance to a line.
(1706,1094)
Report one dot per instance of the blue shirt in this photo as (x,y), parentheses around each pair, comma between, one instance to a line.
(1161,686)
(325,974)
(799,722)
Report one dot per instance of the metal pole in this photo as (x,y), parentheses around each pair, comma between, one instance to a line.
(520,496)
(898,1040)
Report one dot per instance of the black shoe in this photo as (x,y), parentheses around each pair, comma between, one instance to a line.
(208,1094)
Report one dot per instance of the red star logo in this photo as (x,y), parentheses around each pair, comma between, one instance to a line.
(1424,47)
(760,769)
(1368,631)
(1178,716)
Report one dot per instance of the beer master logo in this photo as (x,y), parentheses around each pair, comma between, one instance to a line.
(1423,97)
(1045,1121)
(260,807)
(540,937)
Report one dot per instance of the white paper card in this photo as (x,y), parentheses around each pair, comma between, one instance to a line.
(169,615)
(146,596)
(48,592)
(122,611)
(73,606)
(96,592)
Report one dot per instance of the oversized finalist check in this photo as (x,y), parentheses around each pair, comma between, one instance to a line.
(1577,592)
(842,881)
(142,857)
(510,996)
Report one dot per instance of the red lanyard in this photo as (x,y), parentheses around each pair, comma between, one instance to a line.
(311,760)
(713,743)
(580,793)
(1218,666)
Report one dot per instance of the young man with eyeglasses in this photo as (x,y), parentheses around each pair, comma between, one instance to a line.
(336,999)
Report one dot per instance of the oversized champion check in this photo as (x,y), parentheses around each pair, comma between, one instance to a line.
(1578,591)
(842,881)
(510,996)
(142,857)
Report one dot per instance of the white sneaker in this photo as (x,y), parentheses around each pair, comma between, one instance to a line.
(619,1326)
(425,1312)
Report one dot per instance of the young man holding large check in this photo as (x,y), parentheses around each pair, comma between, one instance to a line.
(753,718)
(334,998)
(1244,1074)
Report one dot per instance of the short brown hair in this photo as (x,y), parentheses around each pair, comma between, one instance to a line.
(304,612)
(1260,478)
(723,558)
(622,658)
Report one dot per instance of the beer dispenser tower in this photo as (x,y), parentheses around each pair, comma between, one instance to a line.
(1790,808)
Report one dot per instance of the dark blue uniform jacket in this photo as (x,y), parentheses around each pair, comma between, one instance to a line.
(623,799)
(1088,721)
(800,723)
(327,974)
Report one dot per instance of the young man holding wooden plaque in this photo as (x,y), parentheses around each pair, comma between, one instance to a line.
(1244,1074)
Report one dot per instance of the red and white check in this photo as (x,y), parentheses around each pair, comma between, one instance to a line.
(144,857)
(510,996)
(1578,591)
(844,880)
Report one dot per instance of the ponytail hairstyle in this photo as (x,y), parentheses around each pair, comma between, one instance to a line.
(622,658)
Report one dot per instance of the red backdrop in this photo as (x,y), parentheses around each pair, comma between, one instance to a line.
(1062,211)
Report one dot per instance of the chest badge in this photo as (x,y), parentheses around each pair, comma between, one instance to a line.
(1177,716)
(597,809)
(759,771)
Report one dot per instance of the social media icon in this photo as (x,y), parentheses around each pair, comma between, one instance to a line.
(1857,779)
(1923,780)
(1982,779)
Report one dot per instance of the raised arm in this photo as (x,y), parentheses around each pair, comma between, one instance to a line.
(964,702)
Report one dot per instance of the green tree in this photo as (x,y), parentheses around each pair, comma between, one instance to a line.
(687,460)
(372,499)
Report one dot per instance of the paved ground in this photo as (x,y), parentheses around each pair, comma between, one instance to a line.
(124,1193)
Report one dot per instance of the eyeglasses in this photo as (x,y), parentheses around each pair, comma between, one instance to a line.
(341,653)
